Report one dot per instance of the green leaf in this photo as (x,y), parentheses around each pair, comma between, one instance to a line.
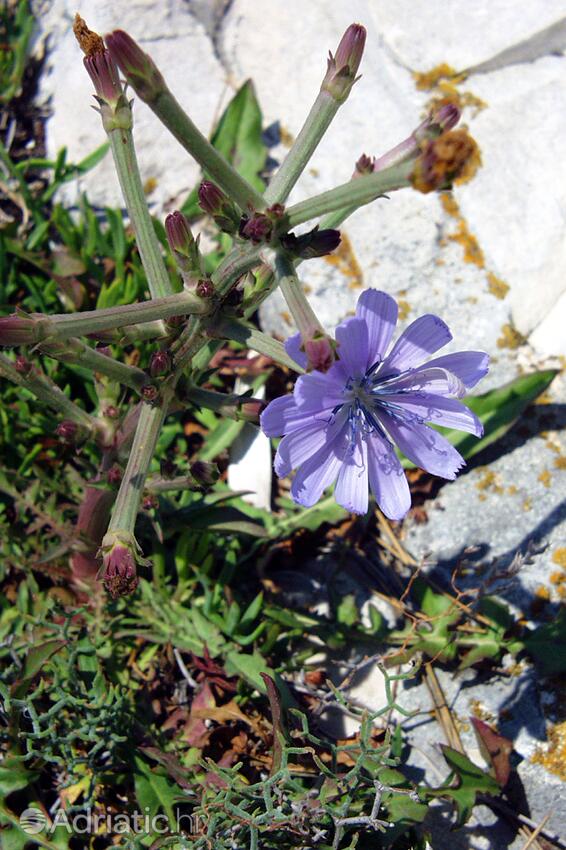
(248,666)
(497,410)
(471,780)
(15,775)
(547,645)
(37,656)
(154,792)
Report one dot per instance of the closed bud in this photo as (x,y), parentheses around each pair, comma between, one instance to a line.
(68,431)
(257,229)
(114,474)
(204,473)
(22,364)
(316,243)
(205,288)
(250,410)
(184,246)
(320,353)
(160,363)
(343,67)
(104,74)
(18,330)
(213,201)
(138,68)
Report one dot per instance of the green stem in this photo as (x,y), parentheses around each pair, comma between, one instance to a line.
(256,340)
(318,120)
(76,351)
(48,392)
(128,500)
(354,194)
(239,261)
(213,163)
(125,160)
(297,302)
(65,325)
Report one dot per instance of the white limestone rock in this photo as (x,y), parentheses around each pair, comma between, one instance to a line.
(179,45)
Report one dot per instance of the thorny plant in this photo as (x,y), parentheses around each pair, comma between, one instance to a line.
(187,326)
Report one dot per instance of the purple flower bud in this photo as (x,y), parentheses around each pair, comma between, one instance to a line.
(320,353)
(168,469)
(446,116)
(150,502)
(23,366)
(204,473)
(160,363)
(205,288)
(149,393)
(250,410)
(119,572)
(138,68)
(183,245)
(111,412)
(258,228)
(18,330)
(67,430)
(104,74)
(213,201)
(114,474)
(316,243)
(343,67)
(364,165)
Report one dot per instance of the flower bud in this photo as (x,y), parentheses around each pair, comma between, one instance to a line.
(320,353)
(104,75)
(120,555)
(114,474)
(204,473)
(138,68)
(149,393)
(18,330)
(213,201)
(184,246)
(453,155)
(315,243)
(67,430)
(250,410)
(343,67)
(160,363)
(258,228)
(22,364)
(205,288)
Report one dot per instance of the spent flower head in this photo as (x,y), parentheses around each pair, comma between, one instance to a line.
(342,426)
(121,554)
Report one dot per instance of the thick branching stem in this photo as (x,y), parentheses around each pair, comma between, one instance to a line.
(254,339)
(76,351)
(297,302)
(349,196)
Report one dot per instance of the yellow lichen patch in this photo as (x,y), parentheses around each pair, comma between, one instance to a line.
(496,286)
(286,137)
(558,578)
(472,251)
(429,80)
(527,505)
(559,556)
(404,309)
(542,592)
(150,185)
(511,490)
(479,711)
(545,478)
(553,755)
(471,166)
(286,317)
(560,462)
(510,337)
(490,481)
(345,261)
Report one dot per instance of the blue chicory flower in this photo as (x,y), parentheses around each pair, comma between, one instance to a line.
(342,425)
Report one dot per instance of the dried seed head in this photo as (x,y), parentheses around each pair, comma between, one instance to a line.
(453,155)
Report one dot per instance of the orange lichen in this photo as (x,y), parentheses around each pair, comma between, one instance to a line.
(490,481)
(553,756)
(404,309)
(463,236)
(286,317)
(559,556)
(527,505)
(429,80)
(560,462)
(496,286)
(510,337)
(345,261)
(545,478)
